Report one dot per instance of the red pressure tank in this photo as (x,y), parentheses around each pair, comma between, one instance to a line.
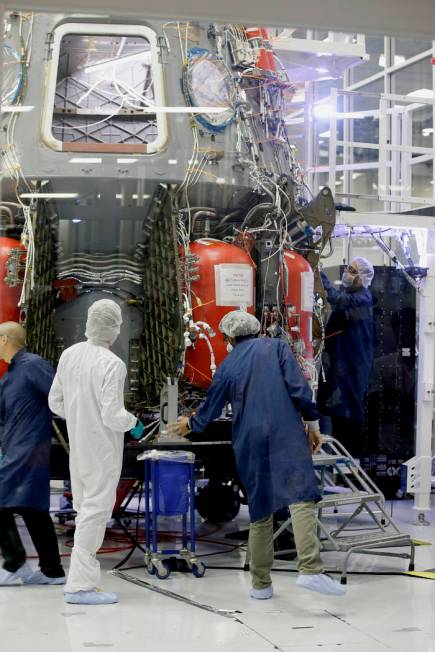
(226,282)
(9,296)
(299,300)
(259,39)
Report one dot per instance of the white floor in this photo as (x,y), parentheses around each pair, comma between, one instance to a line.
(380,612)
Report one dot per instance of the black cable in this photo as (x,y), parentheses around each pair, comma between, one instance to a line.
(295,570)
(134,541)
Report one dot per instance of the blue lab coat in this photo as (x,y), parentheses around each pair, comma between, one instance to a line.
(348,355)
(268,394)
(25,432)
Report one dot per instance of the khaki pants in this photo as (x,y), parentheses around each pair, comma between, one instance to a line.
(306,539)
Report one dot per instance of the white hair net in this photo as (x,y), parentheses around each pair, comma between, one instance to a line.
(365,270)
(239,323)
(104,322)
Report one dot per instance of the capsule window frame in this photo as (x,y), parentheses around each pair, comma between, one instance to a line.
(97,29)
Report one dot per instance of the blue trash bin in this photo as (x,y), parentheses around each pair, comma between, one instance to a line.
(173,487)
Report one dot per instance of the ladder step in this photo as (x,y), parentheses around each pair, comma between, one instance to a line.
(330,460)
(355,497)
(379,540)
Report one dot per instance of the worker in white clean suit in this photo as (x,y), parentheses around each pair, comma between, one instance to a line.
(88,391)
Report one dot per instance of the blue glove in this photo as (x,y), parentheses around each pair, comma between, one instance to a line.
(137,431)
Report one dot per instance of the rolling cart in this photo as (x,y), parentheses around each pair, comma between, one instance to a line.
(170,491)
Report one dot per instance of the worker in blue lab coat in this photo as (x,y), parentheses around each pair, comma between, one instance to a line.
(268,394)
(348,355)
(25,437)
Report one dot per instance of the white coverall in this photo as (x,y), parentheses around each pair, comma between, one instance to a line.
(88,391)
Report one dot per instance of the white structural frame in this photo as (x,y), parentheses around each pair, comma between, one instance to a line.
(397,156)
(72,27)
(336,43)
(395,148)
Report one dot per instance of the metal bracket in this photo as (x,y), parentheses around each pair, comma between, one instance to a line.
(429,392)
(49,43)
(163,50)
(169,410)
(430,324)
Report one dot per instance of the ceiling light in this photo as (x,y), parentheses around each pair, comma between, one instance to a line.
(16,109)
(126,161)
(78,159)
(172,161)
(76,220)
(185,109)
(220,180)
(49,195)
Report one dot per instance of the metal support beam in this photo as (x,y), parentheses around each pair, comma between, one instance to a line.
(426,382)
(393,220)
(370,17)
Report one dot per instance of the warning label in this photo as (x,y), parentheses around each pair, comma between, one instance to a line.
(307,291)
(234,285)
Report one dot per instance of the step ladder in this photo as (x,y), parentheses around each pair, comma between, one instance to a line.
(361,495)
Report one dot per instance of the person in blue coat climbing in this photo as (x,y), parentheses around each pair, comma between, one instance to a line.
(269,395)
(25,439)
(348,355)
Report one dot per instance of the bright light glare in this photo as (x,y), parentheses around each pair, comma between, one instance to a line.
(185,109)
(421,92)
(16,109)
(398,59)
(323,110)
(78,159)
(49,195)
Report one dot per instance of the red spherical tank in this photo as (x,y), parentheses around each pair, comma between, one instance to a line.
(9,294)
(224,281)
(299,299)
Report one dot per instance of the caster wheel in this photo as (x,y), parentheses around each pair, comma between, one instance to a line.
(150,568)
(343,580)
(162,570)
(198,569)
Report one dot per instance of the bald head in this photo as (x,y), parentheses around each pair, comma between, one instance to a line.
(12,339)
